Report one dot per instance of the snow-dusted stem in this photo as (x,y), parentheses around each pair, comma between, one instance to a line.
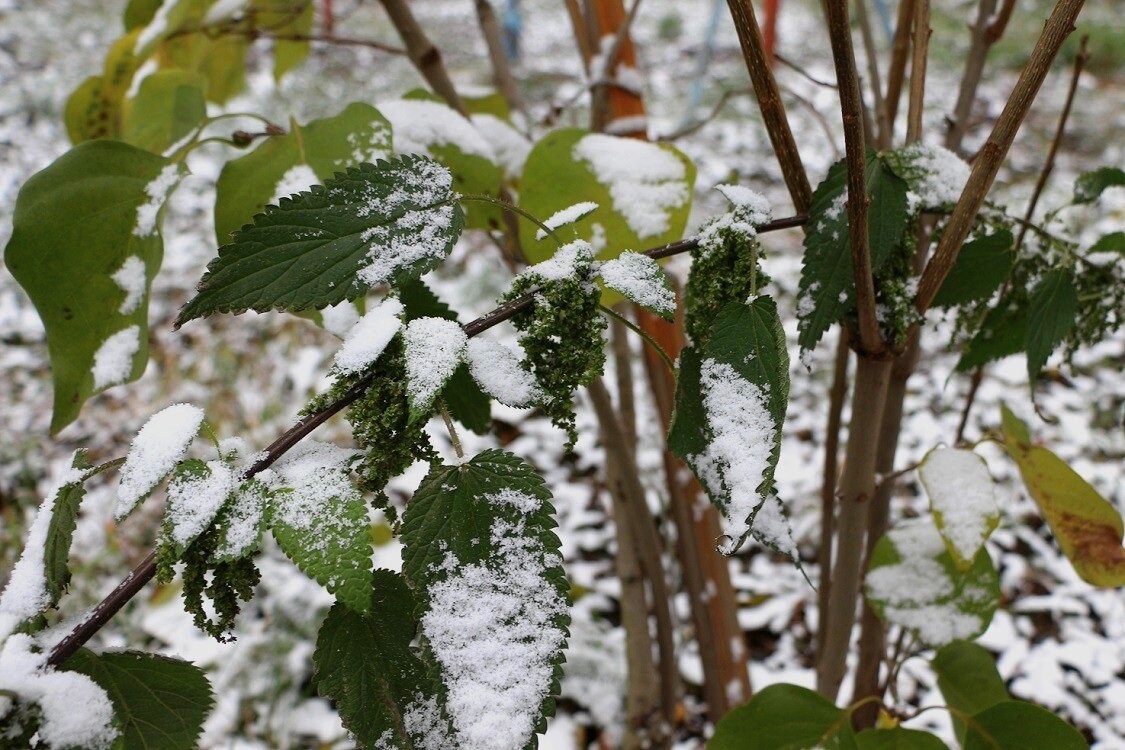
(854,492)
(992,153)
(769,101)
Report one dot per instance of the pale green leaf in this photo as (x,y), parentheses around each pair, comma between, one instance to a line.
(968,680)
(169,104)
(1015,725)
(784,717)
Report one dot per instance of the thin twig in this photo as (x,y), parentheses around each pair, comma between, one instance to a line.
(143,573)
(802,72)
(920,46)
(896,71)
(882,125)
(970,80)
(992,154)
(996,28)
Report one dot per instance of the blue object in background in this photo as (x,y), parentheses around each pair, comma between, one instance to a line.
(512,26)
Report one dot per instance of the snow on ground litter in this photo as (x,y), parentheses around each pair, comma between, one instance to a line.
(1057,639)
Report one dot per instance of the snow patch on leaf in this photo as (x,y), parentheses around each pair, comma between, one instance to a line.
(498,372)
(565,216)
(369,337)
(641,279)
(418,124)
(962,498)
(194,499)
(132,279)
(296,179)
(157,191)
(434,349)
(113,361)
(154,452)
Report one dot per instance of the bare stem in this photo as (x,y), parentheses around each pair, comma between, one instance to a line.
(422,52)
(920,46)
(970,80)
(896,72)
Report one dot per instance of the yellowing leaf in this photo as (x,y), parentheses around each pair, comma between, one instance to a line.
(1087,527)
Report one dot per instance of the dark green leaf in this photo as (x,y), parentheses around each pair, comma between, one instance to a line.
(481,551)
(375,224)
(359,133)
(60,532)
(365,664)
(982,266)
(747,340)
(951,606)
(160,702)
(1090,185)
(1015,725)
(784,717)
(169,104)
(898,739)
(1114,242)
(968,680)
(1050,317)
(827,287)
(1002,333)
(75,226)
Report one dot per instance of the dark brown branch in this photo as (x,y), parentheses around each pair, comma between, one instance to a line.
(882,124)
(143,573)
(987,164)
(996,28)
(896,71)
(920,46)
(851,110)
(769,101)
(970,81)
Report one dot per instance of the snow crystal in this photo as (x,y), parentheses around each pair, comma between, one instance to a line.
(639,278)
(369,337)
(756,205)
(154,452)
(296,179)
(644,180)
(565,216)
(314,473)
(962,494)
(497,370)
(338,319)
(132,279)
(941,176)
(912,589)
(492,629)
(510,146)
(434,348)
(521,501)
(156,190)
(75,711)
(563,264)
(738,454)
(418,124)
(425,724)
(194,501)
(113,361)
(419,233)
(26,595)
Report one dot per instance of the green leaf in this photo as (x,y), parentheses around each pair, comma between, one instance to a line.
(1090,185)
(555,177)
(1002,333)
(169,104)
(785,717)
(827,287)
(75,225)
(88,114)
(364,663)
(898,739)
(1114,242)
(320,521)
(160,702)
(467,403)
(1050,317)
(913,582)
(374,224)
(60,533)
(287,53)
(1087,527)
(359,133)
(481,551)
(962,499)
(968,680)
(139,13)
(1015,725)
(745,363)
(982,266)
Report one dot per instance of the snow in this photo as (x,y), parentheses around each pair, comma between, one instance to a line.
(645,181)
(314,473)
(509,145)
(419,124)
(74,710)
(157,191)
(113,361)
(132,279)
(154,453)
(756,205)
(962,497)
(26,595)
(434,349)
(420,234)
(194,501)
(941,176)
(641,279)
(297,179)
(338,319)
(565,216)
(497,370)
(916,590)
(749,210)
(563,264)
(222,10)
(491,627)
(369,337)
(738,453)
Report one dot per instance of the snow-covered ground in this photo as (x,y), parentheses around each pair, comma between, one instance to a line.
(1059,641)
